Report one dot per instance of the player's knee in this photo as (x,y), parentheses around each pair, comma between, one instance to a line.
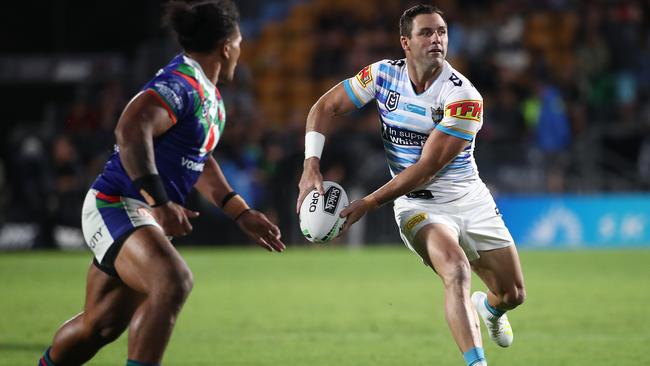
(175,288)
(515,297)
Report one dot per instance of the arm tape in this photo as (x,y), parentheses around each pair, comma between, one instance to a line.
(151,187)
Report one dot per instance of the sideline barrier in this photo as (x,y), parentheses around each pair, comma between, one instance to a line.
(577,221)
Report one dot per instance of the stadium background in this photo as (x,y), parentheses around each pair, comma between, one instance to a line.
(565,149)
(566,87)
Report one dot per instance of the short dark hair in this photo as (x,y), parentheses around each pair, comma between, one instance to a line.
(406,20)
(200,26)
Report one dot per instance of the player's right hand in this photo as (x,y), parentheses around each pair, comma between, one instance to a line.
(311,178)
(174,218)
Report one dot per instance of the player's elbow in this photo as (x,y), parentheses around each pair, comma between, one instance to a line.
(322,109)
(427,172)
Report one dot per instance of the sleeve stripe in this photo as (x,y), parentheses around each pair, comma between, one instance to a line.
(164,103)
(351,94)
(455,133)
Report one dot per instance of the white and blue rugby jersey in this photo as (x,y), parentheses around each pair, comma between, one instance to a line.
(451,104)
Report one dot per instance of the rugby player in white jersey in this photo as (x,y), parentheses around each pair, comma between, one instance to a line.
(430,115)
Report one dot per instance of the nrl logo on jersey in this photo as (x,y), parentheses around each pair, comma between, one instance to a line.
(437,114)
(392,100)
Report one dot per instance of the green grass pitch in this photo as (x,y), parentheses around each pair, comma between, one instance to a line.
(332,306)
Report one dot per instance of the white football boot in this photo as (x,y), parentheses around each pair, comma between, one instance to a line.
(499,328)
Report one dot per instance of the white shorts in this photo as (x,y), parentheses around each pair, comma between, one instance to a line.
(106,219)
(474,218)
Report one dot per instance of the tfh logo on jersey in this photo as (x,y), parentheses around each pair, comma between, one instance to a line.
(465,109)
(331,200)
(364,76)
(392,100)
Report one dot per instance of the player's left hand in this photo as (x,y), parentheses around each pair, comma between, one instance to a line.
(353,213)
(262,231)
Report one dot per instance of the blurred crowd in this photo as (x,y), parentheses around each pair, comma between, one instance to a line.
(566,86)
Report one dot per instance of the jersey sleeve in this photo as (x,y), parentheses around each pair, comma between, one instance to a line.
(463,116)
(172,93)
(361,87)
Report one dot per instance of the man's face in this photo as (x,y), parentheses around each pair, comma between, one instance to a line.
(232,50)
(428,42)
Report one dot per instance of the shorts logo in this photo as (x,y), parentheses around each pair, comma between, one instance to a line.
(97,236)
(364,76)
(144,212)
(413,221)
(392,100)
(331,200)
(465,109)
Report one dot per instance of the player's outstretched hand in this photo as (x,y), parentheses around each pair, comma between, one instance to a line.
(311,178)
(262,231)
(353,213)
(174,218)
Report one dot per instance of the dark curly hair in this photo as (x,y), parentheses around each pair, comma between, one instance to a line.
(200,26)
(406,20)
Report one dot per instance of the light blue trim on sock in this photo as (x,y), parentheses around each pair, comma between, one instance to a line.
(496,312)
(474,355)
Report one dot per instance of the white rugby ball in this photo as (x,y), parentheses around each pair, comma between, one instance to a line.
(319,214)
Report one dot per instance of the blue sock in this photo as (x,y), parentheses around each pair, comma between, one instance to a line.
(496,312)
(138,363)
(46,360)
(474,355)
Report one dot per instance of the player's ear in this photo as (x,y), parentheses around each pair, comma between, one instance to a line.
(226,50)
(404,41)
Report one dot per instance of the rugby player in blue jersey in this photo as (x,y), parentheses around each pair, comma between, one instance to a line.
(165,137)
(430,114)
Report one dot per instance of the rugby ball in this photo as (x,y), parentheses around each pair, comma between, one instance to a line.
(319,214)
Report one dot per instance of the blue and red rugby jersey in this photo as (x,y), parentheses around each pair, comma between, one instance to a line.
(198,113)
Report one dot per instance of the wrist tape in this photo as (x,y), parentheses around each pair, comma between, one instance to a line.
(234,206)
(152,189)
(314,142)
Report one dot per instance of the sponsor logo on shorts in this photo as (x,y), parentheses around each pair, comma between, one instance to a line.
(143,211)
(331,201)
(413,221)
(97,236)
(392,100)
(364,76)
(465,109)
